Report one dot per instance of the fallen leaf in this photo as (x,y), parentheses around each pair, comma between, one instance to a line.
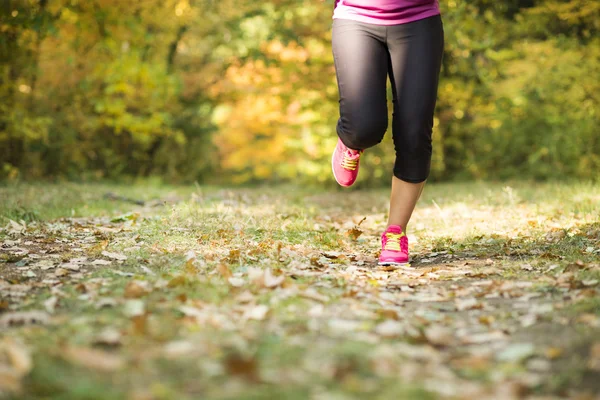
(95,359)
(134,308)
(485,337)
(264,278)
(136,289)
(553,353)
(354,232)
(101,262)
(132,216)
(516,352)
(256,312)
(233,256)
(178,349)
(224,271)
(18,355)
(71,267)
(243,367)
(313,294)
(44,265)
(591,282)
(61,272)
(343,325)
(15,363)
(15,227)
(108,337)
(114,256)
(24,318)
(439,335)
(332,254)
(179,280)
(236,282)
(467,304)
(390,329)
(594,360)
(106,302)
(50,304)
(245,297)
(271,281)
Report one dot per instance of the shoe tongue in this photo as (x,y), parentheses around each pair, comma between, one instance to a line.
(394,229)
(352,154)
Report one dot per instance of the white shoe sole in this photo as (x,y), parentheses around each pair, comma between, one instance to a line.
(394,264)
(333,168)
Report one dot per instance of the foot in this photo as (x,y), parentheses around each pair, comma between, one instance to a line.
(345,163)
(394,247)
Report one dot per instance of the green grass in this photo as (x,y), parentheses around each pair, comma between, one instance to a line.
(319,339)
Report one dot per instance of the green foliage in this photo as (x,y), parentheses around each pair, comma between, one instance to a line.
(245,91)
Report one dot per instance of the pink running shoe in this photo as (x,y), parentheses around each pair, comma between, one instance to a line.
(394,247)
(345,163)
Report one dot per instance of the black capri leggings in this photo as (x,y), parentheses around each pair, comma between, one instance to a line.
(411,54)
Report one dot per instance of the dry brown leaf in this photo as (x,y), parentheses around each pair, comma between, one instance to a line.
(439,335)
(179,280)
(243,367)
(136,289)
(18,356)
(553,353)
(10,382)
(224,271)
(99,360)
(594,360)
(354,233)
(233,256)
(114,256)
(388,314)
(61,272)
(334,255)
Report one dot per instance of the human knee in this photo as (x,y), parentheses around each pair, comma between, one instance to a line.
(365,133)
(414,140)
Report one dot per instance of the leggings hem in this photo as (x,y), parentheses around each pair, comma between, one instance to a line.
(409,180)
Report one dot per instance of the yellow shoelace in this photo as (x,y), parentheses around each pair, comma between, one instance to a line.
(393,241)
(349,163)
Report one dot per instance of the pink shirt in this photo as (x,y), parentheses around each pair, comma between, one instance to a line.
(385,12)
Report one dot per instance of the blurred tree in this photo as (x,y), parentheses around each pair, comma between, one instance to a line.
(241,91)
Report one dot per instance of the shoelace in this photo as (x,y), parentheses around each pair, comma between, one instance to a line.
(349,163)
(393,241)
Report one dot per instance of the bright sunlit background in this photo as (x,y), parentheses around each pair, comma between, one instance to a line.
(244,91)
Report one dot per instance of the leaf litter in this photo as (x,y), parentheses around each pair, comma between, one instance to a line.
(443,322)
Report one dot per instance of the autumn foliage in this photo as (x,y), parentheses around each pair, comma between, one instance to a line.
(239,91)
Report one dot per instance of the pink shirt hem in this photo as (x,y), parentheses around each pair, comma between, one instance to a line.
(378,21)
(385,12)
